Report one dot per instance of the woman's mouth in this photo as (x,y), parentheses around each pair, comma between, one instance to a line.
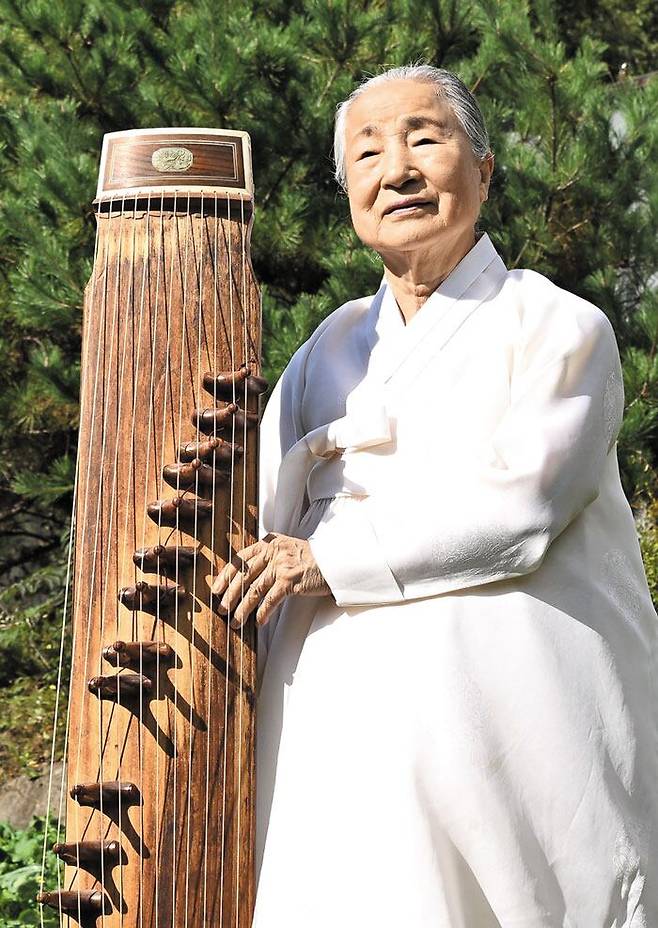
(406,207)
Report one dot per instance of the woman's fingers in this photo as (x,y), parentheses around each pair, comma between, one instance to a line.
(235,566)
(252,597)
(241,582)
(271,600)
(224,577)
(263,574)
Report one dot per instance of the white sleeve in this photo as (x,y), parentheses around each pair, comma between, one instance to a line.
(281,425)
(497,517)
(279,429)
(275,436)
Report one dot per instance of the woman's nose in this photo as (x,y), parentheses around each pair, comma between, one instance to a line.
(398,167)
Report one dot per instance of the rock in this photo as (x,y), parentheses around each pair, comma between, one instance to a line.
(24,797)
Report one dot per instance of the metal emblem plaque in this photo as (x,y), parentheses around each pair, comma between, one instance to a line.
(172,160)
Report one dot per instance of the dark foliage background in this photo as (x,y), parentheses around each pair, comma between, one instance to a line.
(570,99)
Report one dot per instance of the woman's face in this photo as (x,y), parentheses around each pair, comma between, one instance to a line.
(413,180)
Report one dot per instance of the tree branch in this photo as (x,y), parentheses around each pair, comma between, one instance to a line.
(552,80)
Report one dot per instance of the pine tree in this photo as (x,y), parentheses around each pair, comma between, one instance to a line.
(574,196)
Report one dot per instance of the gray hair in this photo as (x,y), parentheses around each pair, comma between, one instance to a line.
(449,87)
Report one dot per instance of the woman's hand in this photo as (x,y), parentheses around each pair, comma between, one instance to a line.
(266,572)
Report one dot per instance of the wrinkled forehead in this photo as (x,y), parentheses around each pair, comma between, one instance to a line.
(398,106)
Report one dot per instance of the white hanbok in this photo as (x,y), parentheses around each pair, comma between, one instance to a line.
(466,734)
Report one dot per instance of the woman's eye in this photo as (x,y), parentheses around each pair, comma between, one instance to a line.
(425,142)
(366,154)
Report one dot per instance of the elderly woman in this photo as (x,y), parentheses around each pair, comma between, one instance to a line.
(457,715)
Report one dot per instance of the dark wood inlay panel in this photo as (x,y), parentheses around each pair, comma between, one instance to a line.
(216,161)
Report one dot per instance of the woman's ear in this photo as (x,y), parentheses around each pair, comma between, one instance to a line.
(486,170)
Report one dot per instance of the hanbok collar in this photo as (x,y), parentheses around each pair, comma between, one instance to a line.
(391,342)
(367,423)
